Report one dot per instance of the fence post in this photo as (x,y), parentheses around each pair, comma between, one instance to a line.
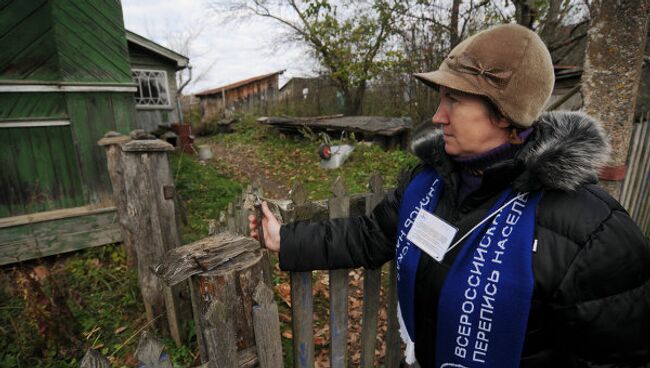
(144,192)
(112,142)
(302,303)
(151,220)
(339,206)
(224,268)
(371,285)
(151,352)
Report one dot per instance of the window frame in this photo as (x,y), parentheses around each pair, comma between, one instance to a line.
(138,96)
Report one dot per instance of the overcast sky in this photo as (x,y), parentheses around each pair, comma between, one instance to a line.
(239,50)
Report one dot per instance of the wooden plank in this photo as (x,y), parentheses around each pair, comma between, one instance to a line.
(371,286)
(372,125)
(64,165)
(20,243)
(45,167)
(11,199)
(302,302)
(267,328)
(53,215)
(32,105)
(161,180)
(302,309)
(339,206)
(393,352)
(123,112)
(87,128)
(144,225)
(151,352)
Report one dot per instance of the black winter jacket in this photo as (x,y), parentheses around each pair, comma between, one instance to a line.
(591,298)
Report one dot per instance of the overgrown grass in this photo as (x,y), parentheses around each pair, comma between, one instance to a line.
(56,308)
(295,159)
(204,193)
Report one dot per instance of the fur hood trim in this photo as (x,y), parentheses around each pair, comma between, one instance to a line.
(564,152)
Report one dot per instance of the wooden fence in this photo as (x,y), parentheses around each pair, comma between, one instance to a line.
(235,219)
(229,276)
(635,195)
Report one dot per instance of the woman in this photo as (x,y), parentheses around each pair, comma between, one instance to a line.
(508,254)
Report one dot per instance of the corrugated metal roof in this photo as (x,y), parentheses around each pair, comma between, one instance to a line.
(237,84)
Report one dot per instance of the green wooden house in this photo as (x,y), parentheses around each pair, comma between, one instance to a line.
(65,80)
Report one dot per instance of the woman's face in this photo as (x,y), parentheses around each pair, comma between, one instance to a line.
(466,124)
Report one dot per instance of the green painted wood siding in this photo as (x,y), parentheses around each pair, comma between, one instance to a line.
(64,41)
(47,168)
(92,115)
(45,105)
(91,41)
(27,41)
(39,170)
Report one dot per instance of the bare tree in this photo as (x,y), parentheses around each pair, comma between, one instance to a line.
(183,41)
(349,39)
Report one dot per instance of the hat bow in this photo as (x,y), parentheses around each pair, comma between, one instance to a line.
(463,63)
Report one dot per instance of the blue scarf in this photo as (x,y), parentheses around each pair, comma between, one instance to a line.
(485,300)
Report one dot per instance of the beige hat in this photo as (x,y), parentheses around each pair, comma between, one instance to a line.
(509,64)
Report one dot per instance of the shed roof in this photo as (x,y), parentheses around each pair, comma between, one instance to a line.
(238,84)
(180,60)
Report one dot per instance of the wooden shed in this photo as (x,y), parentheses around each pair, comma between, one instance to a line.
(216,103)
(65,80)
(154,68)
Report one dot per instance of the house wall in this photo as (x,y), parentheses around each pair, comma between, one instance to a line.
(212,106)
(65,81)
(149,118)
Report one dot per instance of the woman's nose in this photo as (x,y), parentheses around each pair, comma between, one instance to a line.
(440,117)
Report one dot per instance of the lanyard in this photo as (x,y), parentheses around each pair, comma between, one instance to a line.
(519,196)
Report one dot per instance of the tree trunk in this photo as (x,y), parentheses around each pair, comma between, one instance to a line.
(610,82)
(524,12)
(454,37)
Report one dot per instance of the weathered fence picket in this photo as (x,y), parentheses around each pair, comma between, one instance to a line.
(339,206)
(371,286)
(302,303)
(267,328)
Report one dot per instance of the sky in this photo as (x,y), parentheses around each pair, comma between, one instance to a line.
(236,49)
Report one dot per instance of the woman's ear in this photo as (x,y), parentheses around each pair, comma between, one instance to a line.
(503,123)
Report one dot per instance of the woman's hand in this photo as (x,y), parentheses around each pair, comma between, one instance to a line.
(270,228)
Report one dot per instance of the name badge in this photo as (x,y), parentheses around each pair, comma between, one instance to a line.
(431,234)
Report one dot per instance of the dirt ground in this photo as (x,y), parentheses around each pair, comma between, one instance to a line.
(242,165)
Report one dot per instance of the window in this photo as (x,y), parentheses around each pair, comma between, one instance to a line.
(152,87)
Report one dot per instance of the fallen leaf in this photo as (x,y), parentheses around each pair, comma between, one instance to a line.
(120,330)
(288,334)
